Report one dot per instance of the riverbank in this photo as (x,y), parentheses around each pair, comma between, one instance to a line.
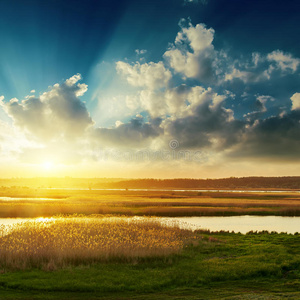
(220,265)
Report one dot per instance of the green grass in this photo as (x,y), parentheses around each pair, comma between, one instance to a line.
(222,265)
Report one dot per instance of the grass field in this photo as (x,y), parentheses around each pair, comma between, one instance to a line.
(208,266)
(26,202)
(109,257)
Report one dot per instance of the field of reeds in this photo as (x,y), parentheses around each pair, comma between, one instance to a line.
(219,266)
(27,203)
(106,256)
(50,243)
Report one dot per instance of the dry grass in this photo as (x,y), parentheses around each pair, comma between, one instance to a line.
(28,204)
(61,241)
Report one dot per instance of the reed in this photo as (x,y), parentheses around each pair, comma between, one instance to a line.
(50,243)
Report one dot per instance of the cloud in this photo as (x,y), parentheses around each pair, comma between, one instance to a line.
(247,76)
(206,123)
(57,114)
(150,75)
(193,54)
(157,103)
(295,101)
(140,51)
(136,133)
(198,37)
(204,117)
(73,80)
(260,108)
(284,61)
(262,67)
(276,136)
(12,142)
(196,94)
(153,102)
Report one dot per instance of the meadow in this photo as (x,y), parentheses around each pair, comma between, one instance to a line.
(198,265)
(100,248)
(26,202)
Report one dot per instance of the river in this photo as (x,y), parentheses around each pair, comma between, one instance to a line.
(242,224)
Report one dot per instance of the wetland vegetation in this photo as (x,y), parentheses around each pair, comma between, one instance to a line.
(26,202)
(92,244)
(208,266)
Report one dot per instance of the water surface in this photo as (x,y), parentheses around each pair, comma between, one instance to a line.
(241,224)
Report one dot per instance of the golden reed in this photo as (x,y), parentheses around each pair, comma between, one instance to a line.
(60,241)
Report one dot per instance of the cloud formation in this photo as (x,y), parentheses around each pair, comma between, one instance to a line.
(196,94)
(200,110)
(57,114)
(284,61)
(262,68)
(274,137)
(136,133)
(295,101)
(152,75)
(193,54)
(206,123)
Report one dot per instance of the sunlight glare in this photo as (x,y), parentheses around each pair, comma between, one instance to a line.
(48,165)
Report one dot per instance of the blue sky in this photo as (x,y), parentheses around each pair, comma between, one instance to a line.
(218,76)
(44,42)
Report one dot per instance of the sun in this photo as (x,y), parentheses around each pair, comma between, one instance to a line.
(48,165)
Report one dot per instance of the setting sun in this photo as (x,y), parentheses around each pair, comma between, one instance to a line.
(48,165)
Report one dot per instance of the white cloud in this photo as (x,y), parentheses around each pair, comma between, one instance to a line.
(32,91)
(265,98)
(133,102)
(153,102)
(247,76)
(82,88)
(193,54)
(284,61)
(118,123)
(57,114)
(199,37)
(262,67)
(140,52)
(12,141)
(295,101)
(73,80)
(150,75)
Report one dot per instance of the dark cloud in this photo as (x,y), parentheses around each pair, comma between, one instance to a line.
(274,137)
(136,133)
(208,126)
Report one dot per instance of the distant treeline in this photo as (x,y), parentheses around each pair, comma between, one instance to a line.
(224,183)
(292,182)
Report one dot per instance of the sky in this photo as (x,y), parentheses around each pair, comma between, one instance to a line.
(139,89)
